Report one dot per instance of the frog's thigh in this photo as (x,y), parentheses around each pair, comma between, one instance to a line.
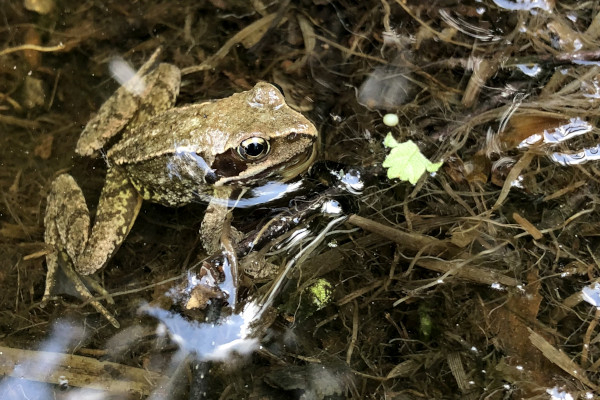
(67,218)
(118,207)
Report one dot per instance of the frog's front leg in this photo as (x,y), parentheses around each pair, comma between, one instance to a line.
(67,224)
(214,221)
(212,225)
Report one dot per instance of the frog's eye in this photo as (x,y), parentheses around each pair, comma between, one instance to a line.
(253,149)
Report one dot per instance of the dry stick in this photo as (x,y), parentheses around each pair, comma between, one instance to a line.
(404,369)
(23,123)
(527,226)
(592,32)
(395,261)
(79,371)
(387,11)
(351,52)
(588,337)
(429,28)
(310,42)
(457,198)
(354,333)
(563,191)
(481,275)
(359,292)
(511,177)
(482,71)
(416,242)
(560,312)
(411,241)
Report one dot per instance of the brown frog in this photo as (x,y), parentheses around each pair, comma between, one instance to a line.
(171,156)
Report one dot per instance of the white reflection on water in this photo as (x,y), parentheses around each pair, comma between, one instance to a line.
(123,73)
(565,159)
(232,335)
(258,195)
(575,127)
(42,365)
(215,342)
(530,70)
(557,394)
(516,5)
(237,334)
(591,294)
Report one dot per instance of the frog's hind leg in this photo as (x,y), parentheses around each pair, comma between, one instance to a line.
(75,279)
(117,210)
(67,224)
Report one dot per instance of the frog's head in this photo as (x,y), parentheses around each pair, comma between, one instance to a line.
(247,139)
(264,139)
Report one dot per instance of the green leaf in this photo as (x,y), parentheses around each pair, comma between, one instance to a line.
(405,161)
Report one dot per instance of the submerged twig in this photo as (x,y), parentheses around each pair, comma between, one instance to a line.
(31,47)
(252,29)
(78,371)
(409,240)
(560,359)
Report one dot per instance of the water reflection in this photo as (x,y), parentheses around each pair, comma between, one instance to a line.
(530,70)
(42,365)
(575,127)
(527,5)
(477,32)
(216,341)
(127,76)
(220,339)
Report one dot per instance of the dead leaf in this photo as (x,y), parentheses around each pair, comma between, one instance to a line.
(44,148)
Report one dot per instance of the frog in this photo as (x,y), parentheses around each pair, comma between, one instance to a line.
(171,155)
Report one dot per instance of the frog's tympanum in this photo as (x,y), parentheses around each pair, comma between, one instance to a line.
(171,156)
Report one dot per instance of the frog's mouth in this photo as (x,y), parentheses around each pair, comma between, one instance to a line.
(230,170)
(297,165)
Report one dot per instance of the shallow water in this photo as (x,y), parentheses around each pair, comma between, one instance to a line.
(477,282)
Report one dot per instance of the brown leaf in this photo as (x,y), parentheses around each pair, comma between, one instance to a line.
(44,148)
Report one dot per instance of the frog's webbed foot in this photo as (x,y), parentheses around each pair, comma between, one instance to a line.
(75,279)
(67,224)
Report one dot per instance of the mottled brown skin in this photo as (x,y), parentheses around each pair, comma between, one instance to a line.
(171,156)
